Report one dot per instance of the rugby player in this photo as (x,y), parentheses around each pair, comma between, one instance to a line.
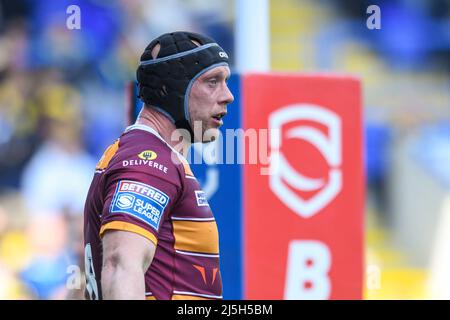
(148,229)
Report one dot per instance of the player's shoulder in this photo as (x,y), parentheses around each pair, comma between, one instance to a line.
(142,150)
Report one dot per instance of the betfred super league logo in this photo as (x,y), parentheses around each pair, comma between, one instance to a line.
(317,131)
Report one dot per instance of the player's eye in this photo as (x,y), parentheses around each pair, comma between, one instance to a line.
(213,81)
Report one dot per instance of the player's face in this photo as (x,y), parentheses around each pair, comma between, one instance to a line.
(208,102)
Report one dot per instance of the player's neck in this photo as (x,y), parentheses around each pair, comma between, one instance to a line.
(165,128)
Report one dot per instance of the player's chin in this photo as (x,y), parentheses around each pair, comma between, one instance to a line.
(211,134)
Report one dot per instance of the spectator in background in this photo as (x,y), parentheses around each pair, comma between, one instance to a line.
(54,184)
(17,132)
(58,175)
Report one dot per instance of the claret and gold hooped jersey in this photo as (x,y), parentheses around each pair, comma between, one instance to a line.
(142,185)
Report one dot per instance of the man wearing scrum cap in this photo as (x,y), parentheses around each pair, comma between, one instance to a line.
(149,231)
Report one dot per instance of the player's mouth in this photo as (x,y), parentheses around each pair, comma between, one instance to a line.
(217,118)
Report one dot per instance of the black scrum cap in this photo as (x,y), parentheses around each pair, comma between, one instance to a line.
(165,82)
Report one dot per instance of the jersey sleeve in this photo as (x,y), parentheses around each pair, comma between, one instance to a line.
(137,202)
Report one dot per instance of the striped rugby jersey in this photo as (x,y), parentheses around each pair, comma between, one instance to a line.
(144,186)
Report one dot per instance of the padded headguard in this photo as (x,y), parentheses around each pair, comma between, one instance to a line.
(165,82)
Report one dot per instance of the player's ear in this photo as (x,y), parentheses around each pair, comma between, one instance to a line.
(156,50)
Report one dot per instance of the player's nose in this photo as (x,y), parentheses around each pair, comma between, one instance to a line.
(227,96)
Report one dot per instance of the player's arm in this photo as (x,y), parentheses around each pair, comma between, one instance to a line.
(138,200)
(126,258)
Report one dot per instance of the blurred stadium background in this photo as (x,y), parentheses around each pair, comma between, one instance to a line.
(62,102)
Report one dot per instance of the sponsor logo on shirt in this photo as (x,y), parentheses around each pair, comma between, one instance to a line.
(141,162)
(201,198)
(141,201)
(148,155)
(125,201)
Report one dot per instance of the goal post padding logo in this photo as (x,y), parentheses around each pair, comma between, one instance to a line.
(303,221)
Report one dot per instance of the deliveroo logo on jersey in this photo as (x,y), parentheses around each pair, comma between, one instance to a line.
(148,155)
